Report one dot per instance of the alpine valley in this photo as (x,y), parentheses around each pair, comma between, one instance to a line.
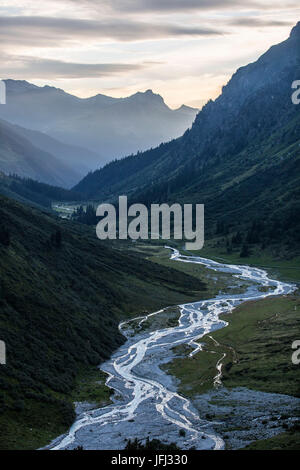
(143,345)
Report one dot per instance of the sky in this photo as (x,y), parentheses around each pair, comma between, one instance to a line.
(185,50)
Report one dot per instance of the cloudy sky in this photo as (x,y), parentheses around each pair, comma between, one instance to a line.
(186,50)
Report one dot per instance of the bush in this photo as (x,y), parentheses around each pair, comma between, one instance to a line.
(19,405)
(153,445)
(4,236)
(245,252)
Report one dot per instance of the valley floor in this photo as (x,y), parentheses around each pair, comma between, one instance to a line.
(259,381)
(258,377)
(254,404)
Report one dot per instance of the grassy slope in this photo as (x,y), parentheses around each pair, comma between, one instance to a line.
(257,344)
(59,311)
(188,370)
(285,441)
(90,387)
(157,254)
(282,268)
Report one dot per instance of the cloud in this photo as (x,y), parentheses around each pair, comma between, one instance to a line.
(161,6)
(174,5)
(259,22)
(130,6)
(110,35)
(52,7)
(38,68)
(180,6)
(50,32)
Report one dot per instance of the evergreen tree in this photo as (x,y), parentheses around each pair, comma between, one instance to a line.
(245,251)
(237,239)
(58,238)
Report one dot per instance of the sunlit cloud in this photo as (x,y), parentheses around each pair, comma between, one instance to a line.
(254,22)
(183,49)
(55,31)
(175,6)
(32,67)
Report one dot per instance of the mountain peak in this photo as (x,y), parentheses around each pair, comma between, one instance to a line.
(147,97)
(19,85)
(149,94)
(184,107)
(295,33)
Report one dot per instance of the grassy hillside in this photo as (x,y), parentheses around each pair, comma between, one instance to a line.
(280,265)
(258,348)
(62,295)
(285,441)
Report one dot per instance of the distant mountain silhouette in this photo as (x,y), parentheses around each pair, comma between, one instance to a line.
(72,156)
(109,127)
(24,153)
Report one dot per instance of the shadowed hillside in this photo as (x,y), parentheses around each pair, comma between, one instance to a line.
(20,154)
(62,295)
(33,192)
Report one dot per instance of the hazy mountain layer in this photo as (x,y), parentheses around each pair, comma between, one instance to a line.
(73,157)
(108,127)
(18,155)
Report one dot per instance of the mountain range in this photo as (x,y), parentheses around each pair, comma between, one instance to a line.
(240,158)
(104,128)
